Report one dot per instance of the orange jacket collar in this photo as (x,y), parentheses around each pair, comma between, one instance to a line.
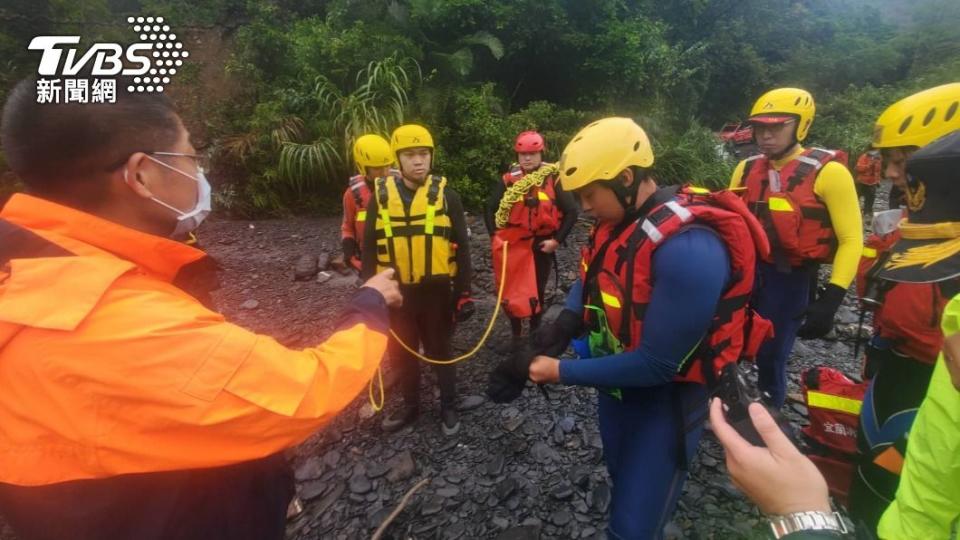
(159,256)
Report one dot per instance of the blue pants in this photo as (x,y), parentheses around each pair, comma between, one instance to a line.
(641,439)
(781,298)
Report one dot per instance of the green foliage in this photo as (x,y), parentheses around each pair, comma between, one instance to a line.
(303,78)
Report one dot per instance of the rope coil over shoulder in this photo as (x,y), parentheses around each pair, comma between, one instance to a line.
(378,406)
(518,189)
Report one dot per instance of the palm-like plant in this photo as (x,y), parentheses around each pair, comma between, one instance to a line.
(375,105)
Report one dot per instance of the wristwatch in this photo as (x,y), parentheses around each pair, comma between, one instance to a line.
(807,521)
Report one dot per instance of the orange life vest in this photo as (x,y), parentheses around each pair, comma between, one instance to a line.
(795,219)
(616,273)
(538,211)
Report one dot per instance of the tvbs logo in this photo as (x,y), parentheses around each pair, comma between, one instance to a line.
(150,63)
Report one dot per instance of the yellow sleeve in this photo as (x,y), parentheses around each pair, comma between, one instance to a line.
(737,174)
(835,187)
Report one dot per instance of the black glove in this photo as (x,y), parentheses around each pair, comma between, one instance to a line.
(552,339)
(818,319)
(508,379)
(350,248)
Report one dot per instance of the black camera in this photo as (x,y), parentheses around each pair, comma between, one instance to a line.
(737,393)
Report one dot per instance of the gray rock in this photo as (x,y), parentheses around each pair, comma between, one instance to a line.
(309,469)
(431,506)
(378,516)
(323,277)
(454,531)
(524,532)
(500,523)
(708,461)
(470,403)
(331,459)
(580,477)
(562,491)
(567,423)
(560,517)
(250,304)
(448,492)
(305,268)
(402,467)
(360,484)
(377,470)
(543,453)
(506,488)
(672,531)
(312,489)
(323,261)
(511,423)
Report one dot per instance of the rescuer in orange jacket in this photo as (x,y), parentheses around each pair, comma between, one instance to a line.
(869,174)
(530,211)
(373,157)
(129,410)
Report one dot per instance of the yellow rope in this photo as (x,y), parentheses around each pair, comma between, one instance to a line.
(493,319)
(515,192)
(931,231)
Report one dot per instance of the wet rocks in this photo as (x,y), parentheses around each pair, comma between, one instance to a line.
(402,467)
(250,304)
(305,268)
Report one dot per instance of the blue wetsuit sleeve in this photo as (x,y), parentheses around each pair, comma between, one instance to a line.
(574,300)
(690,272)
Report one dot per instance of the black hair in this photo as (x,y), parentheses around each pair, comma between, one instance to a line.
(59,150)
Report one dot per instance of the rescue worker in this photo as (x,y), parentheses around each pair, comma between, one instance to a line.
(927,504)
(868,177)
(528,210)
(653,349)
(809,208)
(418,227)
(129,410)
(373,158)
(901,355)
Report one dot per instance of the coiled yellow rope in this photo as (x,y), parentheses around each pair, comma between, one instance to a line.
(515,192)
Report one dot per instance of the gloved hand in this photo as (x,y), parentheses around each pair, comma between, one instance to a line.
(510,376)
(552,339)
(819,316)
(350,248)
(464,308)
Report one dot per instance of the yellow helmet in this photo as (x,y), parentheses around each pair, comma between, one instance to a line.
(372,151)
(410,136)
(603,149)
(919,119)
(781,104)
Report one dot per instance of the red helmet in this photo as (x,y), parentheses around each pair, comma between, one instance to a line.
(529,142)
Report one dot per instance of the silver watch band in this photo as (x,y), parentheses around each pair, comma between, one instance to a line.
(806,521)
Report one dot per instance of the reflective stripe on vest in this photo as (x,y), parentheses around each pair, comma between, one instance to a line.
(610,300)
(869,252)
(834,403)
(362,215)
(779,204)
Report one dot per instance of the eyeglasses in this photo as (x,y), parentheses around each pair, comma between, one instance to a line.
(203,162)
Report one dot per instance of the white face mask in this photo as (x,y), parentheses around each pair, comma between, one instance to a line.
(188,221)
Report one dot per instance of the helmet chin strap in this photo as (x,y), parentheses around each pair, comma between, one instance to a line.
(626,196)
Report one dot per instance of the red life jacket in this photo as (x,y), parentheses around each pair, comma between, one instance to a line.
(625,256)
(795,219)
(910,312)
(538,211)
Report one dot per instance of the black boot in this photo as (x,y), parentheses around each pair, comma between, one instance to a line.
(400,418)
(449,420)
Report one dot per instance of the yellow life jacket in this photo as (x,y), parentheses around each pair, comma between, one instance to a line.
(415,242)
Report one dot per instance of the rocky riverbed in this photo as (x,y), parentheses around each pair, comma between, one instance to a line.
(531,469)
